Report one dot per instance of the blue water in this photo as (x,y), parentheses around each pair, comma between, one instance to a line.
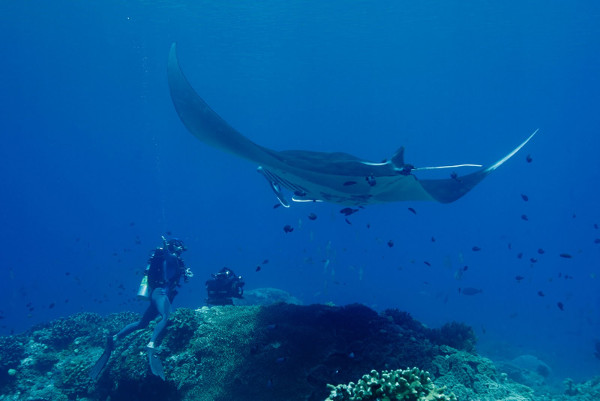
(96,165)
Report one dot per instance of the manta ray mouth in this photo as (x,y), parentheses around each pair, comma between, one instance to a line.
(276,182)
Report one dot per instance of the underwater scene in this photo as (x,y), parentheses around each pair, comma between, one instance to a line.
(300,200)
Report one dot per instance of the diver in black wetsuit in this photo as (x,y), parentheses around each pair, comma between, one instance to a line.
(164,272)
(224,286)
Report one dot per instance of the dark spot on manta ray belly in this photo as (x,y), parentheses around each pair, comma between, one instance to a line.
(371,180)
(347,183)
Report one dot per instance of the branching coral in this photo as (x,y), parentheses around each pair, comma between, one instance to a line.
(397,385)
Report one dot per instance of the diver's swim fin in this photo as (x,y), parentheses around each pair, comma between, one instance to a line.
(155,365)
(101,363)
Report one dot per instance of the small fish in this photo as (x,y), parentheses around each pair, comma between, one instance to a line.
(524,197)
(476,249)
(565,255)
(541,251)
(347,221)
(371,180)
(432,239)
(257,268)
(265,261)
(597,241)
(533,260)
(541,294)
(347,183)
(347,211)
(288,229)
(470,291)
(524,217)
(427,263)
(561,306)
(51,305)
(465,268)
(519,278)
(520,255)
(368,225)
(529,159)
(413,211)
(312,216)
(275,206)
(390,243)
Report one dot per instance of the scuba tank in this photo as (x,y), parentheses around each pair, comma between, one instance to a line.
(144,290)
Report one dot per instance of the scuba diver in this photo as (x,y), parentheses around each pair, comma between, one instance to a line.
(224,286)
(159,286)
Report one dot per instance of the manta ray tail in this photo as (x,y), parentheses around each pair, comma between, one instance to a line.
(449,190)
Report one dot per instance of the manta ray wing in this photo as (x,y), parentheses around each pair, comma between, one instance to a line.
(316,176)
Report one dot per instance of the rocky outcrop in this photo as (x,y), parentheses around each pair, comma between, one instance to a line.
(245,353)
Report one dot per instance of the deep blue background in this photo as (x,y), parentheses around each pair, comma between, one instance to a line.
(96,165)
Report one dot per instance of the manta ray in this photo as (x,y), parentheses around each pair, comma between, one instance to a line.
(310,176)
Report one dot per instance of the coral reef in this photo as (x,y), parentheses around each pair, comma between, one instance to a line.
(588,391)
(250,353)
(471,377)
(398,385)
(526,369)
(456,335)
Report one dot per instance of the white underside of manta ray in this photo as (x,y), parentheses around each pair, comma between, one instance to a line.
(318,176)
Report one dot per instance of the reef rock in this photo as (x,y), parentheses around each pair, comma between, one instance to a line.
(247,353)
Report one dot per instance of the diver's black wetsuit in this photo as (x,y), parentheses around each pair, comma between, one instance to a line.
(164,275)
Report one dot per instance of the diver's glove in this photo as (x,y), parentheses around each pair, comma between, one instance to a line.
(188,274)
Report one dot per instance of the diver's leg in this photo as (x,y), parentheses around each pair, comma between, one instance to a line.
(150,313)
(163,307)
